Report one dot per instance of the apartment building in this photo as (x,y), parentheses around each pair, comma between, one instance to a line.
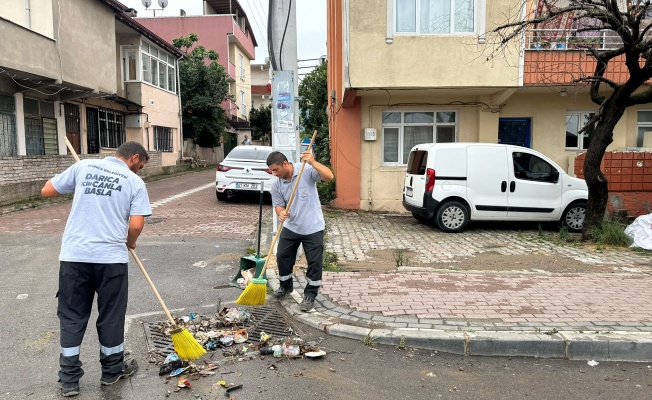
(85,70)
(225,28)
(403,72)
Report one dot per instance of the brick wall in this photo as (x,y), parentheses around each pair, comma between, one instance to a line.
(629,177)
(22,177)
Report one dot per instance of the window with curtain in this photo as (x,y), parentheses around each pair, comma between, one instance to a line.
(443,17)
(158,68)
(403,130)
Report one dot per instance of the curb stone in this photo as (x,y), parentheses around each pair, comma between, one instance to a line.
(614,346)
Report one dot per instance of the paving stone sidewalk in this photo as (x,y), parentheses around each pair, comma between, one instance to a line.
(603,315)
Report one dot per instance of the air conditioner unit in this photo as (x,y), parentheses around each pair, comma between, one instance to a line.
(370,134)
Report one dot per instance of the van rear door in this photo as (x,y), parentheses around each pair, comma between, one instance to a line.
(415,178)
(487,173)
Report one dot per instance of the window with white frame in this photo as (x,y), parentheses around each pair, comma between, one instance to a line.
(575,121)
(443,17)
(158,67)
(644,128)
(243,104)
(162,138)
(403,130)
(242,68)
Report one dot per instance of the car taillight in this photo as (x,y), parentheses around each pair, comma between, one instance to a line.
(430,182)
(222,168)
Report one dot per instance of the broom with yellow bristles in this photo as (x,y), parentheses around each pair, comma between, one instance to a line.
(255,293)
(184,343)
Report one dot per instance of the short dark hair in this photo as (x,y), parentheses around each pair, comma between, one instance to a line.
(128,149)
(276,158)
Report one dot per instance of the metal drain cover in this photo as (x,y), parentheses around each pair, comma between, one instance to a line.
(263,319)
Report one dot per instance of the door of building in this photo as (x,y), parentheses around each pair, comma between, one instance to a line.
(92,130)
(7,126)
(515,131)
(73,124)
(230,141)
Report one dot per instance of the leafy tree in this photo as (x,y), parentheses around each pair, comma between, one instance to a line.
(314,106)
(632,42)
(260,121)
(204,86)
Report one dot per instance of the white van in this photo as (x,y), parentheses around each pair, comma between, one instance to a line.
(453,183)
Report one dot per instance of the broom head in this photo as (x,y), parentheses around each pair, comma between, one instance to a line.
(185,344)
(255,294)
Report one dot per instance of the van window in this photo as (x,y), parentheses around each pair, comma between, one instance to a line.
(532,168)
(417,162)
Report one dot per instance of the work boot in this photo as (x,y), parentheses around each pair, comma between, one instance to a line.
(129,368)
(281,292)
(69,389)
(307,304)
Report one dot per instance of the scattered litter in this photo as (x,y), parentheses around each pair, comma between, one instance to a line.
(200,264)
(171,367)
(179,371)
(222,383)
(593,363)
(431,374)
(184,383)
(22,296)
(231,389)
(315,354)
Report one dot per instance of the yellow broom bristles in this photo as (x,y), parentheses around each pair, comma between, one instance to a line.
(255,294)
(185,344)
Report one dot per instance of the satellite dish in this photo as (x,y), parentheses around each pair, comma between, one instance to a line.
(163,3)
(146,3)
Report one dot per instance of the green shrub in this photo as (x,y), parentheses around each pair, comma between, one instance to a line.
(611,233)
(326,191)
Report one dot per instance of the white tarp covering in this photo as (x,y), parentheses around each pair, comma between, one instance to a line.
(641,232)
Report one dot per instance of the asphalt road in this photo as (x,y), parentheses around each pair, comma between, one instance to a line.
(187,268)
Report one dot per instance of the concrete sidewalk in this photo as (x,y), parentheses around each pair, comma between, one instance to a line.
(486,291)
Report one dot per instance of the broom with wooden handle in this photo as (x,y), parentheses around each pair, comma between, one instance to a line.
(255,293)
(184,343)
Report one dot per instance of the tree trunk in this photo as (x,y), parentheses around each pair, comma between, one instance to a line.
(595,179)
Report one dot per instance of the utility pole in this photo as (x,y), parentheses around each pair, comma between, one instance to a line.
(282,39)
(285,82)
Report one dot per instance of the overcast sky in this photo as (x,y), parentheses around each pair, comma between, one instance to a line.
(311,23)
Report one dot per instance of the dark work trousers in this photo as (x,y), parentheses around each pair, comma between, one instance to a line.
(286,255)
(78,283)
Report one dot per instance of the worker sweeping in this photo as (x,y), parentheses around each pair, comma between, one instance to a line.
(107,216)
(302,224)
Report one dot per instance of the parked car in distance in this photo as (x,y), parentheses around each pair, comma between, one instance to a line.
(453,183)
(244,169)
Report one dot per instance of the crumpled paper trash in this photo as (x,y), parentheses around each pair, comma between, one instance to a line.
(640,231)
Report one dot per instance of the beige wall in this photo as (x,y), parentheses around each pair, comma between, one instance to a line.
(424,61)
(240,85)
(41,19)
(164,112)
(22,57)
(381,186)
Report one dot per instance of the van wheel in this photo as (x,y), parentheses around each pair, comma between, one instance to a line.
(421,219)
(452,216)
(573,217)
(221,196)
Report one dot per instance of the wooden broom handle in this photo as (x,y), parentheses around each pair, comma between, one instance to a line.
(151,284)
(133,253)
(287,207)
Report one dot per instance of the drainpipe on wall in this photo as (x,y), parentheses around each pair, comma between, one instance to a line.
(180,113)
(28,17)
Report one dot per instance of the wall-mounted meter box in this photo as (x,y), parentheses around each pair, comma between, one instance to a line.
(369,133)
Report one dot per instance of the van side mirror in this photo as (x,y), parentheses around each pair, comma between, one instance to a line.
(554,176)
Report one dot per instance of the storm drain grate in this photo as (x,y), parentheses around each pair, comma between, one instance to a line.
(263,319)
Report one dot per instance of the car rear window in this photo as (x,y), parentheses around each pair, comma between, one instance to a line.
(417,162)
(249,154)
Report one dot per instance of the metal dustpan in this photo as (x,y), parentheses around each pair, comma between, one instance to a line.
(249,262)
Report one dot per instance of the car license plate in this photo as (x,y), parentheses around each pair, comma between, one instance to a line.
(240,185)
(408,192)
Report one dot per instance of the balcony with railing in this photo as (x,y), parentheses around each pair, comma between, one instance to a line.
(561,56)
